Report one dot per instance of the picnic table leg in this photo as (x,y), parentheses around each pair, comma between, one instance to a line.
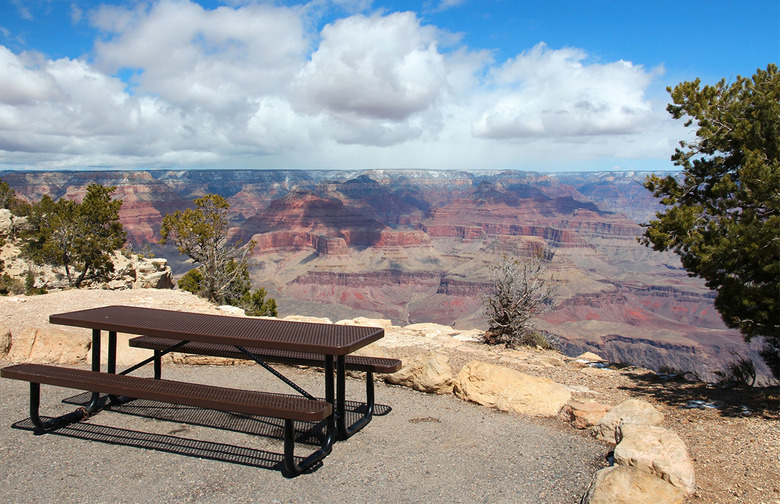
(330,432)
(94,403)
(35,403)
(157,364)
(111,364)
(341,417)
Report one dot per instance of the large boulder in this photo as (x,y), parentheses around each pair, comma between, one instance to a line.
(628,485)
(51,345)
(133,271)
(507,389)
(583,414)
(154,274)
(6,222)
(48,346)
(426,372)
(5,342)
(631,411)
(657,451)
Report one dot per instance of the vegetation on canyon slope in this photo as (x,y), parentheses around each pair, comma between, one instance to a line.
(80,237)
(222,274)
(723,209)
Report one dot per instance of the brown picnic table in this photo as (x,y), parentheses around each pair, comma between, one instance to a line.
(261,340)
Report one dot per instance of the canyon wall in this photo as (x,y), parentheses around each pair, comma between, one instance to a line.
(416,246)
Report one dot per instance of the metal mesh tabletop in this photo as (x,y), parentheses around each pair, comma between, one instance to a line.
(329,339)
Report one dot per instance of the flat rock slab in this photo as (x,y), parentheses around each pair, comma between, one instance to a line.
(507,389)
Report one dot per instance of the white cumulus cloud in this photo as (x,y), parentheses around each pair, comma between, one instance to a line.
(256,85)
(555,93)
(373,77)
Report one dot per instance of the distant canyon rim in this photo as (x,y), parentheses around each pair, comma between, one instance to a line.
(415,246)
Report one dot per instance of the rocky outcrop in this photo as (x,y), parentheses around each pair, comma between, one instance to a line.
(426,372)
(631,411)
(652,465)
(583,414)
(131,271)
(657,451)
(454,287)
(140,273)
(298,240)
(506,389)
(627,485)
(48,346)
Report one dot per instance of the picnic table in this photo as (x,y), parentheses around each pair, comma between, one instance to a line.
(261,340)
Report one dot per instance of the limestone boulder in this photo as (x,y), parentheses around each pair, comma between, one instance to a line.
(6,222)
(507,389)
(231,310)
(631,411)
(369,322)
(628,485)
(304,318)
(133,271)
(153,274)
(583,414)
(657,451)
(49,346)
(5,342)
(427,372)
(589,357)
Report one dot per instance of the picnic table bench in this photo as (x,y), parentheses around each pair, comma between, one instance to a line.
(369,365)
(175,392)
(165,331)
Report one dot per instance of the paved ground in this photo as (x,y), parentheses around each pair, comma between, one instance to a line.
(424,448)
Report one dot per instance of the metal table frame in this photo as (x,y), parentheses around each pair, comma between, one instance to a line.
(332,341)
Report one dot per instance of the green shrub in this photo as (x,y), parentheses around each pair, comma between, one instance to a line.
(10,285)
(29,285)
(254,303)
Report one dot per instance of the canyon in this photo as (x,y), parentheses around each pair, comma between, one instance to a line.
(416,246)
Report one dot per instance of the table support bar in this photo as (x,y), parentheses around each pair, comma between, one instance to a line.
(155,359)
(276,373)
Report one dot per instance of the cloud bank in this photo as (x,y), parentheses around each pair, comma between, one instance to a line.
(171,84)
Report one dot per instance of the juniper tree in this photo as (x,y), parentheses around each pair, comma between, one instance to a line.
(722,214)
(222,274)
(80,237)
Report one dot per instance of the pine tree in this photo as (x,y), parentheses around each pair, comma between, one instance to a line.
(723,209)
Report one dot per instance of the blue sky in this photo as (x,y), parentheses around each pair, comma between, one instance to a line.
(360,84)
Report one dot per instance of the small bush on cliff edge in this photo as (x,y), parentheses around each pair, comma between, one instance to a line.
(521,291)
(254,303)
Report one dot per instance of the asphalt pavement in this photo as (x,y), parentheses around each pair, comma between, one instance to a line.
(418,448)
